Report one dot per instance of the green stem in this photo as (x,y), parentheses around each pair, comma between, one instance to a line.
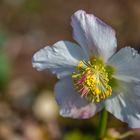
(102,126)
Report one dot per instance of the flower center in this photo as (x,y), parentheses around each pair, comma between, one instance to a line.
(92,80)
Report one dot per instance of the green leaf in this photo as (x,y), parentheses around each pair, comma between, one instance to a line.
(4,70)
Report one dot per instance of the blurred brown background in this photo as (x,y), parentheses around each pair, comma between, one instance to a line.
(27,107)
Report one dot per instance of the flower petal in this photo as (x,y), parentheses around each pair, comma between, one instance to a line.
(61,58)
(96,37)
(127,64)
(125,105)
(70,102)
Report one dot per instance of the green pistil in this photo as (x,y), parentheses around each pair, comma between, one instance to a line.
(95,78)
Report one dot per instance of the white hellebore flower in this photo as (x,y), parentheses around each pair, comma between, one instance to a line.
(92,76)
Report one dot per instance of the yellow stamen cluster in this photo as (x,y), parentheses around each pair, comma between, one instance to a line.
(92,80)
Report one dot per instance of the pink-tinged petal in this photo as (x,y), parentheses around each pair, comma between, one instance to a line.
(126,63)
(96,37)
(70,102)
(61,58)
(125,104)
